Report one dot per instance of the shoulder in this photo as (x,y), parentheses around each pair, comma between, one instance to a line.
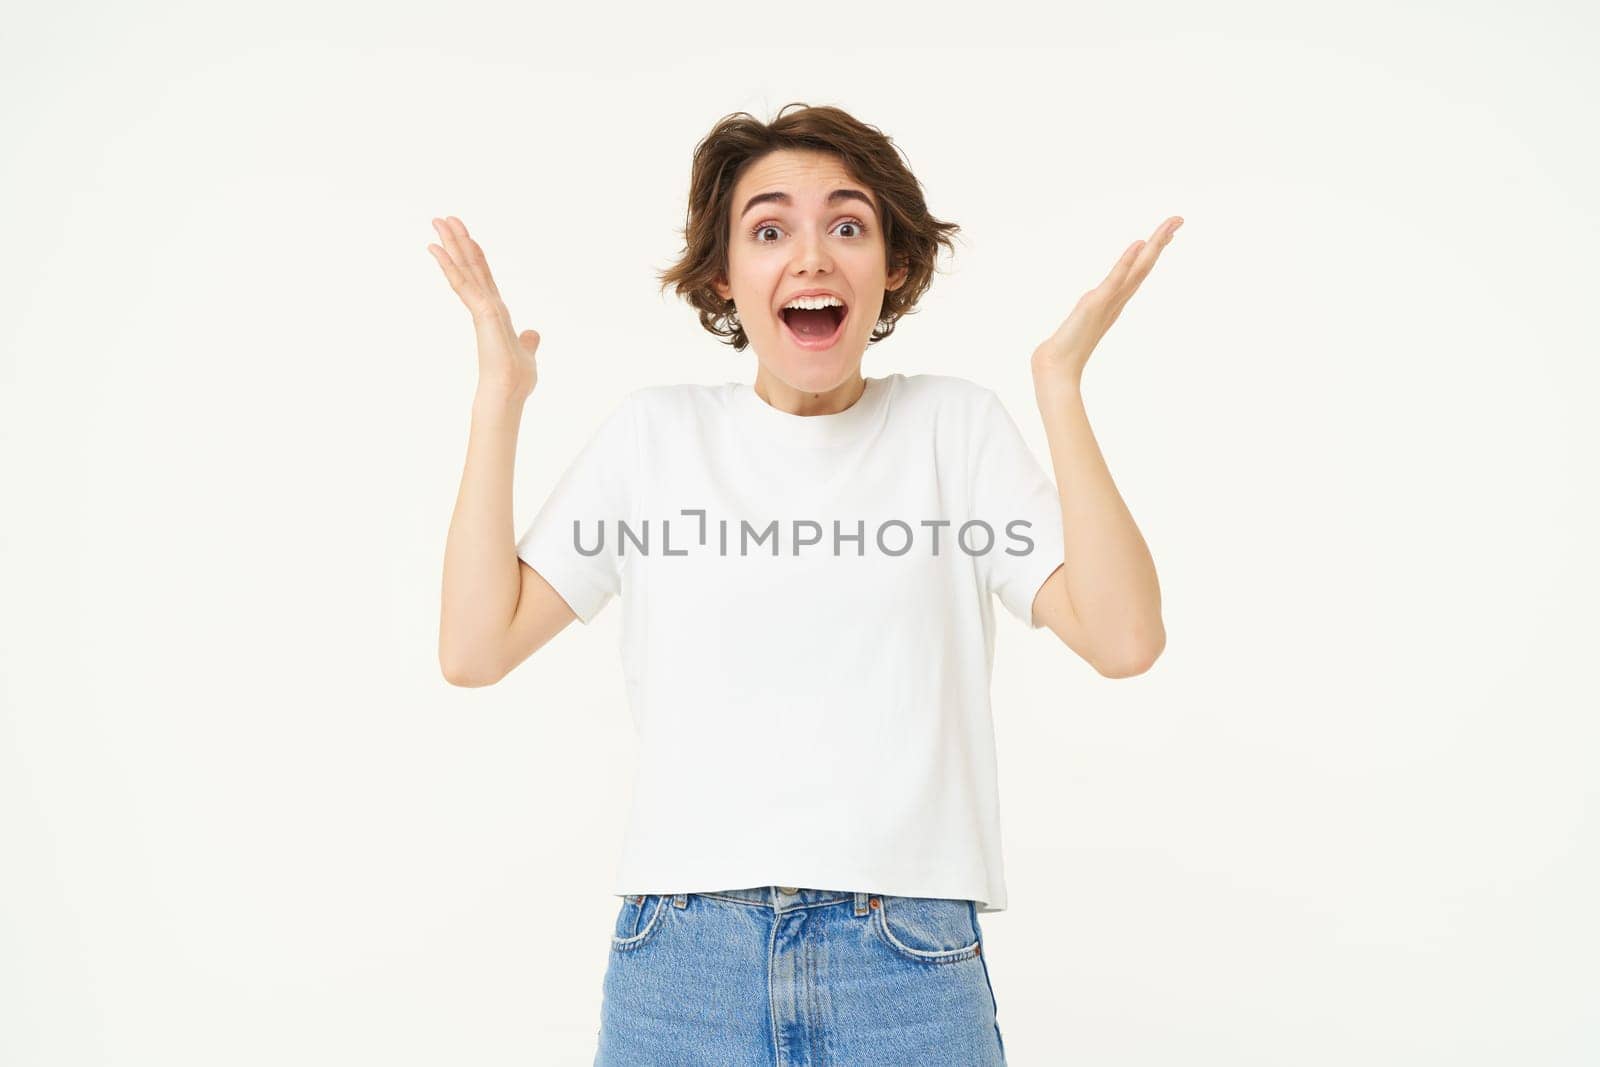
(675,396)
(669,411)
(954,402)
(670,403)
(943,387)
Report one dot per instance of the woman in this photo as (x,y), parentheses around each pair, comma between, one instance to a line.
(809,564)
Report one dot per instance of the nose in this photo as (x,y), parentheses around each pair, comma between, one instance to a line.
(811,256)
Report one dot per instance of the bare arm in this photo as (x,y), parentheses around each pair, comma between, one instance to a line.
(1112,614)
(1105,600)
(494,609)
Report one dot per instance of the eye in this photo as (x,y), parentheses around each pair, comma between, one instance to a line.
(860,229)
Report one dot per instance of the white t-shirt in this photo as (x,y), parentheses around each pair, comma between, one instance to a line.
(811,711)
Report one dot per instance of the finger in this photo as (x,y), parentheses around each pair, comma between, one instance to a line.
(1119,270)
(452,274)
(1153,246)
(456,259)
(1158,241)
(1163,233)
(1149,254)
(477,263)
(461,279)
(454,236)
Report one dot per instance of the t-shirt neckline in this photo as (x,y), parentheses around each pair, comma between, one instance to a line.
(813,431)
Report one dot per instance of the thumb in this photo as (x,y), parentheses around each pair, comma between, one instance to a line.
(529,339)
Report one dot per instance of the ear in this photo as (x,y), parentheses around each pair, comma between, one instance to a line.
(897,279)
(720,284)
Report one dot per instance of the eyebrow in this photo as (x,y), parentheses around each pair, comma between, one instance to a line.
(835,197)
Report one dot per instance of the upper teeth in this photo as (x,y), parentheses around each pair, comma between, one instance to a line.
(811,303)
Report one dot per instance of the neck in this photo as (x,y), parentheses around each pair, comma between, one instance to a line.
(829,401)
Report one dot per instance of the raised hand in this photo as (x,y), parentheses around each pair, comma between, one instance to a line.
(505,358)
(1061,358)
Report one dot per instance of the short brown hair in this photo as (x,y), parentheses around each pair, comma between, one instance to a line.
(911,235)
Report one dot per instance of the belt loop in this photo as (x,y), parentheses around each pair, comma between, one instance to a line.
(681,900)
(861,904)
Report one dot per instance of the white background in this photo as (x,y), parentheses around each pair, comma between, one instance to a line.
(1348,817)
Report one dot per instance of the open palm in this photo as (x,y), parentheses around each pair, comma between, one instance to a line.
(505,358)
(1061,358)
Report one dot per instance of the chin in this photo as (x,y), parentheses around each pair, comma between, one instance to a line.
(812,372)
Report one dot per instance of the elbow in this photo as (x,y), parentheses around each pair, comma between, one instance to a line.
(1134,655)
(467,674)
(468,681)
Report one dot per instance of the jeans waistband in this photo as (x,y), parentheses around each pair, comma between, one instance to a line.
(783,898)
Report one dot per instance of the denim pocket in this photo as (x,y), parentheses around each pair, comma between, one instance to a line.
(927,929)
(638,920)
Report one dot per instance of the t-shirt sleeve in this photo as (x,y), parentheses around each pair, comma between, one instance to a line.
(595,492)
(1012,493)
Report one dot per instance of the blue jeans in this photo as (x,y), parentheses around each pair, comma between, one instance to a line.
(792,977)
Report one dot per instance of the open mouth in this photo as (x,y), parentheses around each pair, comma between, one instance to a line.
(814,329)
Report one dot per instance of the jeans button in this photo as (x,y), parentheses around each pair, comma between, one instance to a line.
(789,889)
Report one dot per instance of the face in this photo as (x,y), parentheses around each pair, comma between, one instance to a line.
(805,230)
